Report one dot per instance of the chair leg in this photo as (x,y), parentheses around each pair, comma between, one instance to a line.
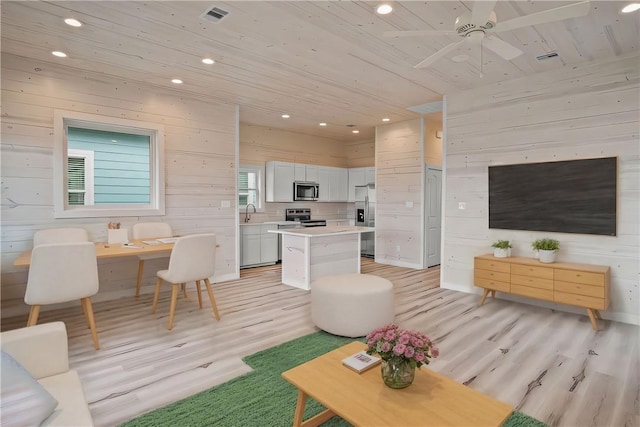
(156,295)
(140,273)
(199,294)
(33,315)
(84,310)
(86,303)
(174,299)
(213,300)
(184,290)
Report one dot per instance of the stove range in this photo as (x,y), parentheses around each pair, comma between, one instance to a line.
(303,216)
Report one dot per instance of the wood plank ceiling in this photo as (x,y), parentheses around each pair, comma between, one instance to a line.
(317,61)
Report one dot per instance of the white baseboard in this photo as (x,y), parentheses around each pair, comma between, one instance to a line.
(398,263)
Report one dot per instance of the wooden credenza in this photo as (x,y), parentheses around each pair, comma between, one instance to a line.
(582,285)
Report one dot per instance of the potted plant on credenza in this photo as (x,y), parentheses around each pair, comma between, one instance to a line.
(501,249)
(547,249)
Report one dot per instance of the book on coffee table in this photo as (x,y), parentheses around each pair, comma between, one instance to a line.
(361,361)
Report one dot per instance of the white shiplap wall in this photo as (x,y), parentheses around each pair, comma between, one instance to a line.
(200,166)
(399,193)
(581,112)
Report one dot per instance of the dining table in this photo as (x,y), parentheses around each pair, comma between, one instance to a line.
(113,250)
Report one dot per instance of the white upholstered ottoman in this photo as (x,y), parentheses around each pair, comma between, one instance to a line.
(351,305)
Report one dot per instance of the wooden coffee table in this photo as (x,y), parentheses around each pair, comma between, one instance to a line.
(363,399)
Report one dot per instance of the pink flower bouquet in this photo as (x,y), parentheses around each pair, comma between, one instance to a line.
(392,342)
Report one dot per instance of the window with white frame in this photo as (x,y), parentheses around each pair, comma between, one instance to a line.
(123,175)
(251,186)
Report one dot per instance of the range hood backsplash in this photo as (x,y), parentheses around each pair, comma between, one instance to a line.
(327,211)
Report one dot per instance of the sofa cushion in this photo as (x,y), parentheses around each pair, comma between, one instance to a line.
(23,401)
(73,409)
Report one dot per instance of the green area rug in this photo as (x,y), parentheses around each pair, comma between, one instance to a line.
(262,397)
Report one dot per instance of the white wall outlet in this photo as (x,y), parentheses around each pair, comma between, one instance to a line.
(462,206)
(225,204)
(408,204)
(398,248)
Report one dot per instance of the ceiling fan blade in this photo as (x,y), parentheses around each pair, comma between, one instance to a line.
(417,33)
(501,47)
(481,11)
(439,54)
(574,10)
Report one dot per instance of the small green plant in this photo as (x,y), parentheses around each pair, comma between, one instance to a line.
(545,245)
(501,244)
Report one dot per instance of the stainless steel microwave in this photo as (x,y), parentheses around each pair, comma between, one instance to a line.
(305,190)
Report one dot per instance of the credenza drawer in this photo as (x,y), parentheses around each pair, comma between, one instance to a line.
(532,271)
(528,291)
(581,300)
(491,284)
(492,275)
(534,282)
(580,289)
(484,264)
(594,279)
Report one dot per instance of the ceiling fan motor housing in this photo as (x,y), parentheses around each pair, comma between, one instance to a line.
(464,26)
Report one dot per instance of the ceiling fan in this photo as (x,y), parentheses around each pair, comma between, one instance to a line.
(478,27)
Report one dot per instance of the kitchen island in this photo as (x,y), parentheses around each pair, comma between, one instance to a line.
(308,253)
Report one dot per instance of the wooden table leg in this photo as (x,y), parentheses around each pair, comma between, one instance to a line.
(484,296)
(315,421)
(592,317)
(300,404)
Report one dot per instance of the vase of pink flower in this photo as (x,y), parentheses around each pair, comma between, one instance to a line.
(401,351)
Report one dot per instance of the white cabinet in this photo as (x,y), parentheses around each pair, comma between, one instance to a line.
(257,245)
(333,184)
(279,179)
(307,173)
(339,185)
(360,176)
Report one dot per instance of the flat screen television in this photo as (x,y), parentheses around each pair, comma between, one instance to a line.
(576,196)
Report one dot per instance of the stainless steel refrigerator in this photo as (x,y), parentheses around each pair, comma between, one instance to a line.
(366,216)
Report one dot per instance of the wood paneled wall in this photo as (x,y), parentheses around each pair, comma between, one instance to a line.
(200,170)
(432,144)
(400,194)
(581,112)
(259,144)
(361,154)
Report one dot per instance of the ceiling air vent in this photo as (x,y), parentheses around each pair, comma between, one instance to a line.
(547,56)
(214,14)
(431,107)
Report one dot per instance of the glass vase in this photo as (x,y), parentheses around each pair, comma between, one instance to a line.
(397,373)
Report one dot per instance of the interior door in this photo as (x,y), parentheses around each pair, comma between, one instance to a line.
(433,215)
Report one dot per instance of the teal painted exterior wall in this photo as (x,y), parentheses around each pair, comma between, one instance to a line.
(121,168)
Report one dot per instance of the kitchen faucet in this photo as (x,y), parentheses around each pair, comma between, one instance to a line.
(247,217)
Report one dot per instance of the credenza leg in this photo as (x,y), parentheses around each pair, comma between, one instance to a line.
(597,312)
(493,293)
(484,296)
(592,317)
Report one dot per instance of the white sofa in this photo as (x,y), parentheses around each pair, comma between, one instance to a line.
(43,351)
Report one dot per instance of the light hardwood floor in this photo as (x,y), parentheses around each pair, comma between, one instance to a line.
(550,365)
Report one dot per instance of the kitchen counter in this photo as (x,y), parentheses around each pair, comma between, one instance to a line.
(309,253)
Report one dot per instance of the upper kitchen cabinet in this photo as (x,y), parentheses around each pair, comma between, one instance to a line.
(332,184)
(307,173)
(279,179)
(359,176)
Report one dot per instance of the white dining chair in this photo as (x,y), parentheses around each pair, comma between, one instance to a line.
(60,235)
(193,258)
(62,272)
(149,230)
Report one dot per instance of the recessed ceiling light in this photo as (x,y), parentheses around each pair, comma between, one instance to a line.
(285,116)
(73,22)
(355,131)
(384,9)
(208,61)
(631,7)
(323,124)
(460,58)
(59,54)
(176,81)
(386,119)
